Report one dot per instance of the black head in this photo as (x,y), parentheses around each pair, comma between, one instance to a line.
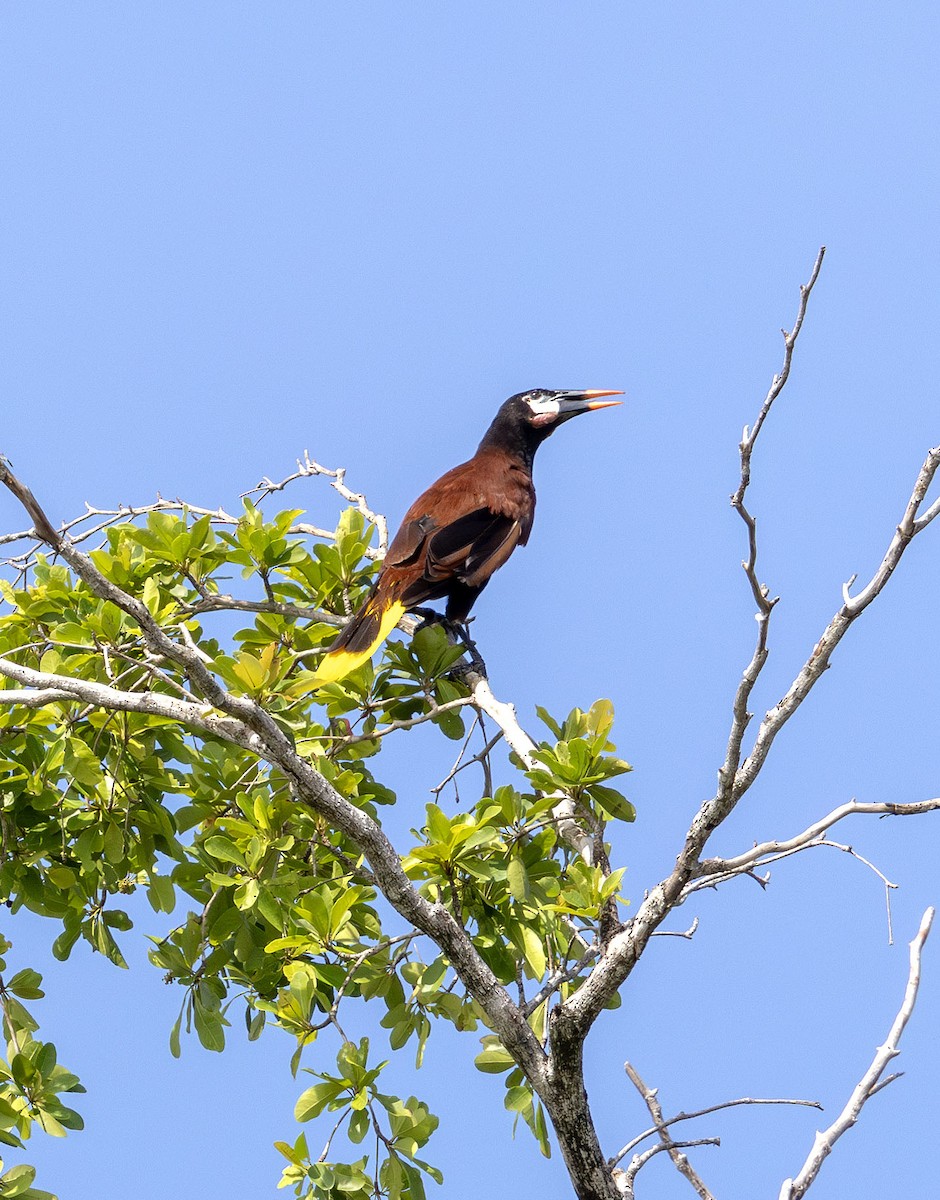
(527,419)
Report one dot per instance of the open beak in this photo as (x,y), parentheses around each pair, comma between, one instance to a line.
(572,403)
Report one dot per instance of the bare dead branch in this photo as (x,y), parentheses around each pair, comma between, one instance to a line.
(818,661)
(106,517)
(688,934)
(306,467)
(576,1015)
(740,715)
(626,1179)
(682,1164)
(866,1087)
(760,853)
(703,1112)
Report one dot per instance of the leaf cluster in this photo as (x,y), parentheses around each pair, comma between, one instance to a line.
(275,915)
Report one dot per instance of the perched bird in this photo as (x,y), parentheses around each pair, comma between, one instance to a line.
(463,528)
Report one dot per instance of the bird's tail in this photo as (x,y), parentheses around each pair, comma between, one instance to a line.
(359,640)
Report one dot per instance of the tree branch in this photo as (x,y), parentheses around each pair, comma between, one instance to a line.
(626,1179)
(225,603)
(910,525)
(623,951)
(249,725)
(409,722)
(740,715)
(306,467)
(504,715)
(793,1189)
(703,1112)
(576,1015)
(674,1150)
(759,853)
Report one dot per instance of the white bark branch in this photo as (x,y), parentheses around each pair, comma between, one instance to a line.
(774,720)
(740,715)
(775,849)
(622,952)
(674,1149)
(306,467)
(247,724)
(824,1142)
(626,1180)
(704,1112)
(504,715)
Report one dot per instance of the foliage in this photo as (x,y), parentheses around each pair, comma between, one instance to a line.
(31,1079)
(277,918)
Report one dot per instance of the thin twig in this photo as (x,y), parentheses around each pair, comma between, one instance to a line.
(561,977)
(335,1130)
(868,1085)
(679,933)
(353,966)
(306,467)
(626,1179)
(682,1164)
(704,1112)
(479,757)
(764,850)
(409,722)
(222,602)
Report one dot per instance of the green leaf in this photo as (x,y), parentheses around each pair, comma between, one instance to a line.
(518,1098)
(547,719)
(612,802)
(17,1180)
(224,850)
(25,984)
(533,950)
(518,879)
(358,1127)
(494,1060)
(315,1099)
(175,1037)
(208,1026)
(161,893)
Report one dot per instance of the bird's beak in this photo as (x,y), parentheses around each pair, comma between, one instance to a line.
(572,403)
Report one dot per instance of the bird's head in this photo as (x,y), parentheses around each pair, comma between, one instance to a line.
(525,420)
(544,409)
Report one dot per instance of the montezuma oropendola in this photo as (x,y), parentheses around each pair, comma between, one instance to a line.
(463,528)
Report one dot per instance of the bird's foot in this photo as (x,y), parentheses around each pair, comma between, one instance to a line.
(458,631)
(429,616)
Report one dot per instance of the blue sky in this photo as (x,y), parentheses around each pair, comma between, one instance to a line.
(235,231)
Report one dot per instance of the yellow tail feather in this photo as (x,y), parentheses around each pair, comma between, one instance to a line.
(339,663)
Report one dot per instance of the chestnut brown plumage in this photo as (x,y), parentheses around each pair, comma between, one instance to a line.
(463,528)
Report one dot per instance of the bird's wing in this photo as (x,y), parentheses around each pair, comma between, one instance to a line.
(408,542)
(462,528)
(472,547)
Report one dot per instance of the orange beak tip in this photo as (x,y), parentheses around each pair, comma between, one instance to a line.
(597,403)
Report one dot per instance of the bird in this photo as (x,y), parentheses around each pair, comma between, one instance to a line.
(462,529)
